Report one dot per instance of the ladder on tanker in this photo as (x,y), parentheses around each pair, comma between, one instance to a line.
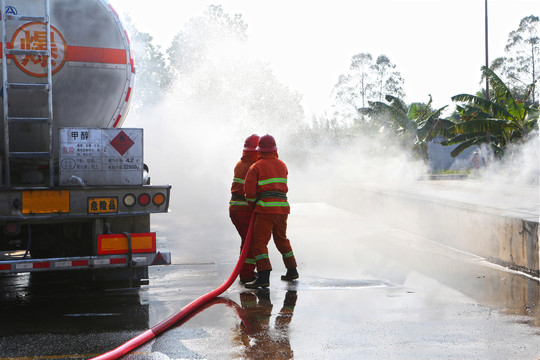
(43,86)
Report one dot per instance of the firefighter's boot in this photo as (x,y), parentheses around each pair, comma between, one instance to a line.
(253,277)
(292,274)
(263,280)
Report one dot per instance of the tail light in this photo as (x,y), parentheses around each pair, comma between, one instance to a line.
(12,229)
(158,199)
(130,200)
(144,199)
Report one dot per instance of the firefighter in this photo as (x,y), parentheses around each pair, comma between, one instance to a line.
(266,190)
(239,210)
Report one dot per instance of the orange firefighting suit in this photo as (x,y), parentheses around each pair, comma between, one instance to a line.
(240,211)
(266,189)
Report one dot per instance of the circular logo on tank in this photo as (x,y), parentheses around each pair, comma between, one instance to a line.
(33,36)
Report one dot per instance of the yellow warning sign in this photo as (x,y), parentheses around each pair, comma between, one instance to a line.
(102,205)
(45,201)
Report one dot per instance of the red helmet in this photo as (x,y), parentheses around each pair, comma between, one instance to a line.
(251,143)
(267,143)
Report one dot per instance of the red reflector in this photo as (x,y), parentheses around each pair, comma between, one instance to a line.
(79,263)
(159,260)
(5,267)
(118,261)
(109,244)
(41,265)
(144,199)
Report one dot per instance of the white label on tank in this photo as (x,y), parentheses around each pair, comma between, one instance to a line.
(101,156)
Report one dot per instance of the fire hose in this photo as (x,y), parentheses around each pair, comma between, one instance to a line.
(185,311)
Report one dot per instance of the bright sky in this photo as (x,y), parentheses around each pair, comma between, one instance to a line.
(437,45)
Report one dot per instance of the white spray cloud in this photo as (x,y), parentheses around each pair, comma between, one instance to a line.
(520,165)
(195,132)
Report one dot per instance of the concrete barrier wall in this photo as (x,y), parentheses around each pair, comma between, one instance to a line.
(490,233)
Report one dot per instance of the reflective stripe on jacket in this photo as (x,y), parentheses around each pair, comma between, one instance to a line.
(238,200)
(266,184)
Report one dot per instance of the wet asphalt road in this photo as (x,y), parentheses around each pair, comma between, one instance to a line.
(366,291)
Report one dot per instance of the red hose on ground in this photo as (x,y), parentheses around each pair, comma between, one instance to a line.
(185,311)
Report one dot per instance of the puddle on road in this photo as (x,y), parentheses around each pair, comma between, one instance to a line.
(313,283)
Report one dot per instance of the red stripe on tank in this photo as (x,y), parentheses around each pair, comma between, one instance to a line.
(92,55)
(96,55)
(113,10)
(117,120)
(128,93)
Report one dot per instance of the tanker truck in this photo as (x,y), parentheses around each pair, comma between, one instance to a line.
(75,195)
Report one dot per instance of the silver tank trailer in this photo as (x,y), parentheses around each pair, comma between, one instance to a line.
(93,69)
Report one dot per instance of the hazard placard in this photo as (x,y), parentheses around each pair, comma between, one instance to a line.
(33,36)
(102,205)
(122,143)
(90,156)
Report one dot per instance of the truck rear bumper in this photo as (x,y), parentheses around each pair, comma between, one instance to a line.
(38,205)
(85,262)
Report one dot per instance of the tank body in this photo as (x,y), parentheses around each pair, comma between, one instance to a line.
(92,66)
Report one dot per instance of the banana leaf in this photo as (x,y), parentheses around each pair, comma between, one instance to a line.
(412,113)
(531,125)
(499,87)
(497,150)
(396,103)
(395,114)
(484,104)
(481,126)
(466,137)
(464,145)
(428,126)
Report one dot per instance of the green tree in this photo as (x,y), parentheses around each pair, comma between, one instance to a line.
(519,67)
(388,80)
(367,80)
(497,122)
(152,72)
(414,126)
